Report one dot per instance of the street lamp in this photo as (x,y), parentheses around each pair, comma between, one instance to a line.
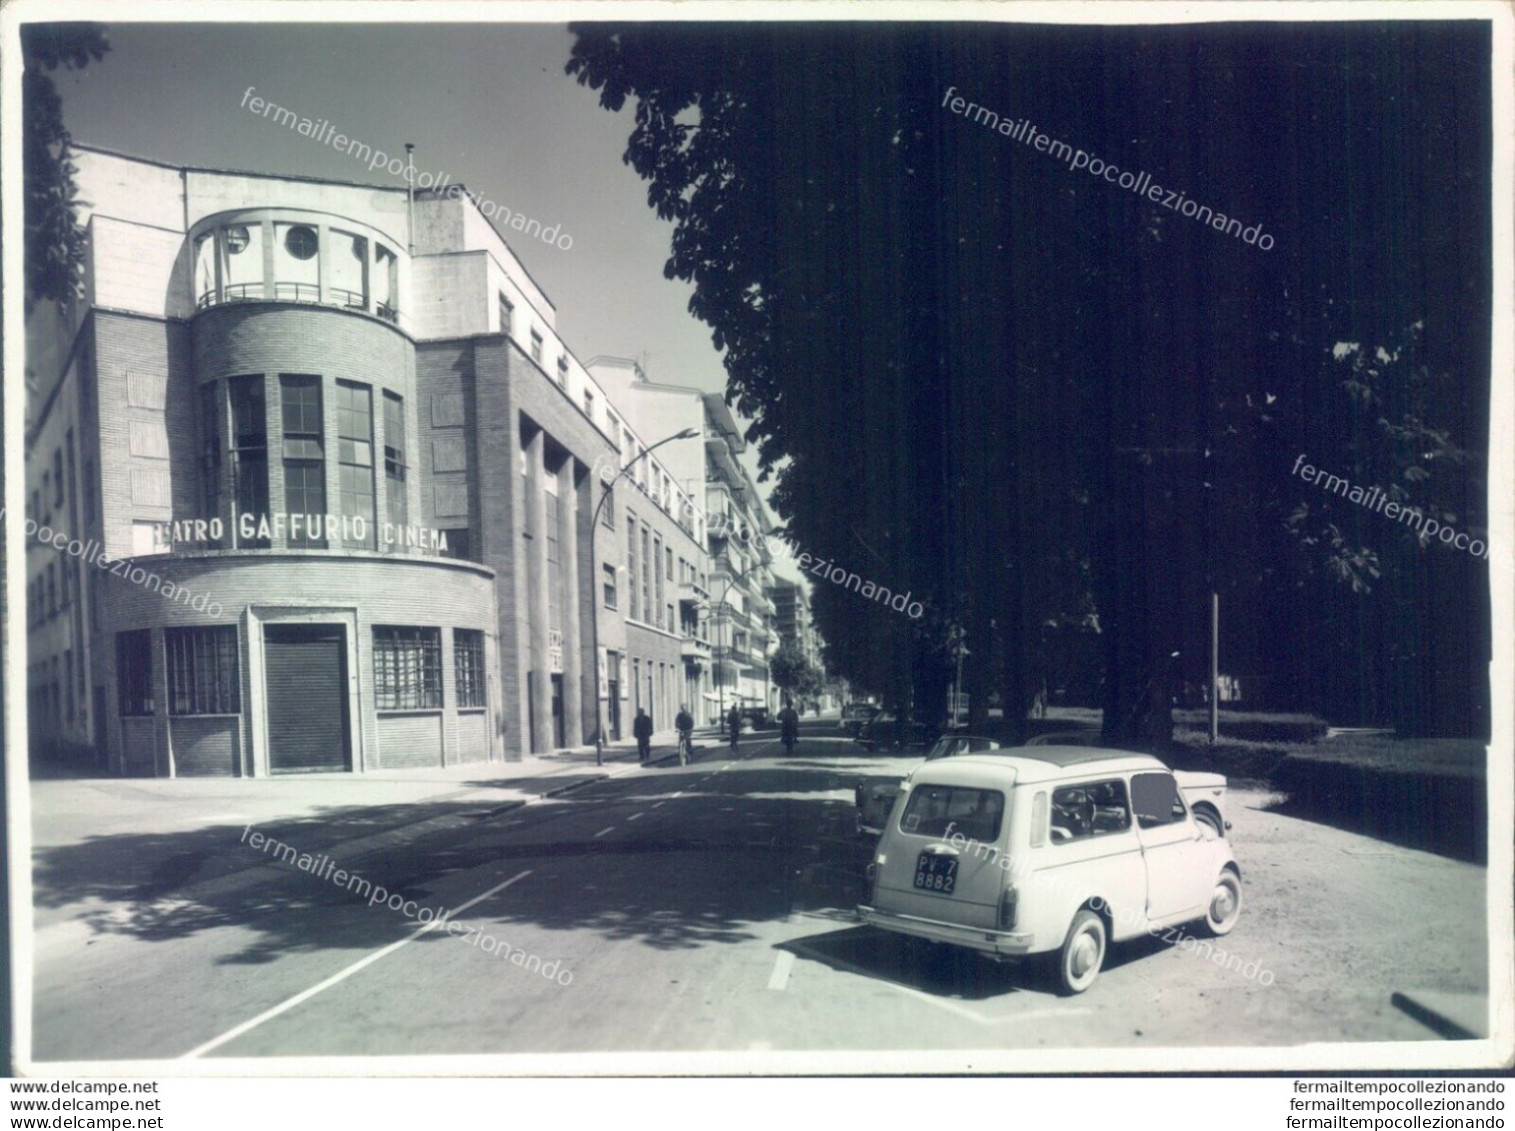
(594,576)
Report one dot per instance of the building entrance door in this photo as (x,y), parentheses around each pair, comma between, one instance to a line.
(305,674)
(558,735)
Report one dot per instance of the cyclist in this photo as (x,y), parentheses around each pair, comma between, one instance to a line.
(790,724)
(734,725)
(684,724)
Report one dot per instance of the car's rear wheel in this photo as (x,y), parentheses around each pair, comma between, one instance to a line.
(1083,953)
(1225,904)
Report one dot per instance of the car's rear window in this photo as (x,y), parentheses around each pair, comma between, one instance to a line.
(945,810)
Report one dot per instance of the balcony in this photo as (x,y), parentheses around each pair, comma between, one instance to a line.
(692,592)
(694,648)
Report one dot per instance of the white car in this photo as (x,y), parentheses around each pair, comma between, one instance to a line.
(1053,850)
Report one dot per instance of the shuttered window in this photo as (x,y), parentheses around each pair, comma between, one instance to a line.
(407,666)
(203,671)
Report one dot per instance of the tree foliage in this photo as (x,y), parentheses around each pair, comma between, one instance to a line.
(54,243)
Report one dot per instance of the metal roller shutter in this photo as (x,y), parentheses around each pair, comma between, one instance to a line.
(306,672)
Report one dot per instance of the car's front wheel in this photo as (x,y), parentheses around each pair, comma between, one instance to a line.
(1083,953)
(1225,904)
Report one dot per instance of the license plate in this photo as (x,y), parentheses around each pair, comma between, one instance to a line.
(936,873)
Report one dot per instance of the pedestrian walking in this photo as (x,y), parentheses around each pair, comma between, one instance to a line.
(789,726)
(641,727)
(734,725)
(684,724)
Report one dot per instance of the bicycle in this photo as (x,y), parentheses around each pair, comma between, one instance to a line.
(686,748)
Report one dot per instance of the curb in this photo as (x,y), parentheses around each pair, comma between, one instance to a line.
(1456,1017)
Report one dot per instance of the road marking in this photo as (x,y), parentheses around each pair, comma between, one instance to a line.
(659,803)
(344,974)
(633,817)
(602,832)
(781,967)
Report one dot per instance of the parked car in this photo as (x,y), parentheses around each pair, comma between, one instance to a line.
(1054,850)
(882,733)
(854,715)
(876,799)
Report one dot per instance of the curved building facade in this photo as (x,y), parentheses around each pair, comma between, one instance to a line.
(310,475)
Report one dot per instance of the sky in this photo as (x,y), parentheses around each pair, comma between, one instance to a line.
(488,104)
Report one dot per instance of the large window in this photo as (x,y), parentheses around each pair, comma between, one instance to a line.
(249,452)
(468,667)
(554,562)
(536,347)
(657,570)
(647,567)
(242,262)
(203,672)
(631,564)
(210,451)
(134,672)
(297,263)
(349,270)
(608,572)
(407,668)
(355,453)
(304,456)
(507,315)
(394,461)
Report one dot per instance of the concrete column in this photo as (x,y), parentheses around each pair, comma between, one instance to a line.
(568,553)
(535,546)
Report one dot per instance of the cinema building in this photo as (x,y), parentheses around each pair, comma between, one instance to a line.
(311,475)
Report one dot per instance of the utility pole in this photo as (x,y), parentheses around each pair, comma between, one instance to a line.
(1214,666)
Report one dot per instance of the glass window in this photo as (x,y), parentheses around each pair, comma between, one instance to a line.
(203,671)
(942,811)
(349,270)
(1156,799)
(134,672)
(554,564)
(242,262)
(536,347)
(394,460)
(205,270)
(608,572)
(607,512)
(507,315)
(249,453)
(210,452)
(588,402)
(459,544)
(297,264)
(647,564)
(355,453)
(1089,810)
(386,284)
(563,380)
(407,665)
(631,563)
(668,561)
(52,588)
(57,477)
(657,562)
(468,667)
(304,455)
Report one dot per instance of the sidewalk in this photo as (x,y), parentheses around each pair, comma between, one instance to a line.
(100,841)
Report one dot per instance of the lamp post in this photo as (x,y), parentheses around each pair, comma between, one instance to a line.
(594,576)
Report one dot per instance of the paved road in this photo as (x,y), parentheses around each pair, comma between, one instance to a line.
(709,908)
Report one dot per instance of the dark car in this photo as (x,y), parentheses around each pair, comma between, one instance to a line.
(854,716)
(882,733)
(756,718)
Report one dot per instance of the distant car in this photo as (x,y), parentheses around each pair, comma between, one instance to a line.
(874,801)
(1054,850)
(882,733)
(854,715)
(757,718)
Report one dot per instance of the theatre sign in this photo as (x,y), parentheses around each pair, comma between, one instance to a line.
(341,529)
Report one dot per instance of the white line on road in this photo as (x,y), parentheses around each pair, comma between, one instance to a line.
(659,804)
(781,967)
(602,832)
(342,975)
(633,817)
